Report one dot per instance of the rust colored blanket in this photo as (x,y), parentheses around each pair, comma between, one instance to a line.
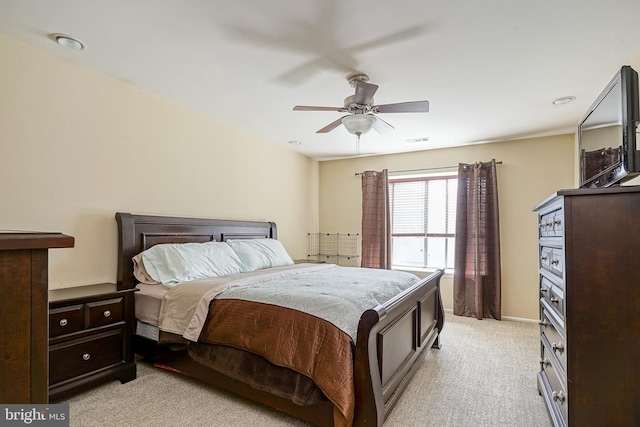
(321,351)
(303,317)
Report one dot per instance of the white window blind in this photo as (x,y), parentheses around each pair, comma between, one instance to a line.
(423,212)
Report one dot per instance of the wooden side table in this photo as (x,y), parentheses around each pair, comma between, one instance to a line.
(90,338)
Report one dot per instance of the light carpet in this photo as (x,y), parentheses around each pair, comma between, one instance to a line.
(484,375)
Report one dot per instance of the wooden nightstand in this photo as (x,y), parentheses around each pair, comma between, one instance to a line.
(90,338)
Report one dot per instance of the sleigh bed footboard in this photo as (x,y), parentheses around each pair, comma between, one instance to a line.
(393,340)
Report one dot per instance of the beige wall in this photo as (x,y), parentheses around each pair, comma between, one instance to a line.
(77,146)
(532,169)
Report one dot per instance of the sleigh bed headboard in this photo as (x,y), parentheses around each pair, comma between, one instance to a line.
(139,232)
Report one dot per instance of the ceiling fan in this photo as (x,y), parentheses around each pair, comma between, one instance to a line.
(362,113)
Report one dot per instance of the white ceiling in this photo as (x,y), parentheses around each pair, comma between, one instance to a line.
(490,69)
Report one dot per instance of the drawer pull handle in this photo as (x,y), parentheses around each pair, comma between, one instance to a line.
(555,262)
(543,258)
(557,347)
(544,362)
(86,356)
(554,300)
(64,322)
(543,323)
(544,290)
(107,313)
(557,222)
(557,396)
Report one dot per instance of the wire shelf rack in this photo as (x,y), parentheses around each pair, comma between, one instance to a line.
(334,248)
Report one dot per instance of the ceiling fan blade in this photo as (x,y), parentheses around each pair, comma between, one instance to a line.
(310,108)
(381,126)
(364,92)
(403,107)
(331,126)
(398,36)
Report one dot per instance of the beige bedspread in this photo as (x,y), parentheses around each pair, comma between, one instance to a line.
(185,307)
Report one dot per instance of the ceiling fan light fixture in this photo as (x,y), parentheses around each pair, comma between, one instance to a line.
(358,124)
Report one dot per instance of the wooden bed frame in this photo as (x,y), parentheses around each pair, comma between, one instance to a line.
(392,342)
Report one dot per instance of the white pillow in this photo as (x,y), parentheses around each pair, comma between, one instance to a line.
(257,254)
(173,263)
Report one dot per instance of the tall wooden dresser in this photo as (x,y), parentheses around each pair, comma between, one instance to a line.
(589,279)
(23,317)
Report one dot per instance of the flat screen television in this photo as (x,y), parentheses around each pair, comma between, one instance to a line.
(607,134)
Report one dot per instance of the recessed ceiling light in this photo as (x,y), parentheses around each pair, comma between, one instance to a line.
(67,41)
(423,139)
(563,100)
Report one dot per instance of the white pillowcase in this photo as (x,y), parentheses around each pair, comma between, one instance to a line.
(257,254)
(173,263)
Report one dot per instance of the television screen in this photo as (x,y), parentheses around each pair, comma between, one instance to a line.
(607,133)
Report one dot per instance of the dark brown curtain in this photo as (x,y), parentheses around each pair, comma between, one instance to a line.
(376,233)
(476,278)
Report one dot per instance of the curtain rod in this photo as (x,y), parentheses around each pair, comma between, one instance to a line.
(424,169)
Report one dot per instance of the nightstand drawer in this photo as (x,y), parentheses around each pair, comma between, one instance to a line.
(105,312)
(78,357)
(66,320)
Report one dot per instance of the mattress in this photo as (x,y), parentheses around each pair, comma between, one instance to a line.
(147,308)
(148,301)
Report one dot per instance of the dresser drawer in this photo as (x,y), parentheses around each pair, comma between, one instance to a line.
(558,223)
(101,313)
(554,342)
(65,320)
(551,224)
(552,294)
(555,386)
(552,259)
(78,357)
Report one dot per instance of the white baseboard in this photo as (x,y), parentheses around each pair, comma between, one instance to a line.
(515,319)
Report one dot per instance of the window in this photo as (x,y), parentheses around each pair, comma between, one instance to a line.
(423,221)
